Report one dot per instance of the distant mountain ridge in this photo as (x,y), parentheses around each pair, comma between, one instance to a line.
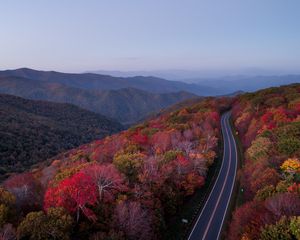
(92,81)
(126,105)
(223,82)
(202,86)
(32,131)
(232,84)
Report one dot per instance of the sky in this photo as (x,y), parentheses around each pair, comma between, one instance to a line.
(146,35)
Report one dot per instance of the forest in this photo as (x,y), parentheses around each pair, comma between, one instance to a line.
(33,131)
(124,186)
(268,124)
(127,185)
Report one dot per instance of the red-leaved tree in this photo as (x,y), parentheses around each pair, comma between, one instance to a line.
(26,190)
(108,180)
(74,194)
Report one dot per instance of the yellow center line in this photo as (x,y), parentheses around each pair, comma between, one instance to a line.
(222,190)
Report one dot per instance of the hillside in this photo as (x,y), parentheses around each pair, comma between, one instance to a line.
(132,104)
(125,186)
(125,105)
(91,81)
(32,131)
(129,185)
(268,123)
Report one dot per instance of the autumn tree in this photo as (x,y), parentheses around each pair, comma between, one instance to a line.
(258,151)
(199,162)
(294,188)
(7,204)
(268,176)
(280,230)
(242,121)
(107,148)
(26,189)
(140,138)
(251,132)
(133,220)
(285,228)
(295,226)
(192,181)
(247,220)
(265,192)
(8,232)
(289,146)
(129,164)
(151,174)
(161,142)
(182,164)
(75,194)
(55,224)
(284,204)
(290,167)
(108,180)
(48,173)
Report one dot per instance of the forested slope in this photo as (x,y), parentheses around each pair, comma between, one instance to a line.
(127,185)
(122,187)
(33,131)
(268,122)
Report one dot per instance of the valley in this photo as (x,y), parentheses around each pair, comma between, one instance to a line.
(126,105)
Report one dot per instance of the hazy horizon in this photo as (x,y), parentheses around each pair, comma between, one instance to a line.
(228,38)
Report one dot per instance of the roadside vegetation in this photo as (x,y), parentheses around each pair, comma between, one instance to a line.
(268,123)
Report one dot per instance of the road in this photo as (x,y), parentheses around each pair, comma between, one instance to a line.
(211,219)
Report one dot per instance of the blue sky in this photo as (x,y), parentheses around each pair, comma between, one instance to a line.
(79,35)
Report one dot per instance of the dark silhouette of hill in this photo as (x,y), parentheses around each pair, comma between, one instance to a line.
(32,131)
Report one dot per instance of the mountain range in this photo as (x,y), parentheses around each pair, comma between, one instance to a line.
(126,99)
(231,84)
(125,105)
(220,82)
(92,81)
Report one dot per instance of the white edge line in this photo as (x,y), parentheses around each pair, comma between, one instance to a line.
(231,186)
(222,190)
(223,134)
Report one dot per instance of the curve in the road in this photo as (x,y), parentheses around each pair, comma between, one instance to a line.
(211,219)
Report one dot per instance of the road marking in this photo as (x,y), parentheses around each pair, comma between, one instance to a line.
(232,184)
(223,134)
(222,190)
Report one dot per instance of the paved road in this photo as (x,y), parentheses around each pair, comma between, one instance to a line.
(210,221)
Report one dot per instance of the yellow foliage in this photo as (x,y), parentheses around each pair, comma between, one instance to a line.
(245,115)
(6,197)
(258,151)
(291,165)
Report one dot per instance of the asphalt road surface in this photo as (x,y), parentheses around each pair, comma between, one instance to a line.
(211,219)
